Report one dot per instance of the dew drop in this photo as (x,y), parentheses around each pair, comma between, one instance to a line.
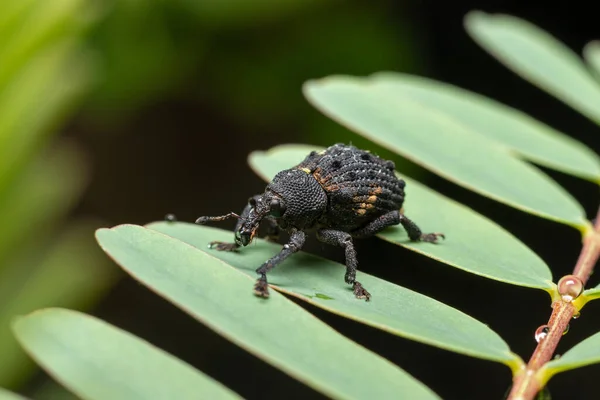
(170,217)
(541,333)
(570,287)
(566,329)
(576,315)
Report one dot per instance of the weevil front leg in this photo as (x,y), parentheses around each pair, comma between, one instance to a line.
(297,239)
(229,246)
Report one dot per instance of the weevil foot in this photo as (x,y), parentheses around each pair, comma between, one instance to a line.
(223,246)
(432,237)
(360,292)
(261,288)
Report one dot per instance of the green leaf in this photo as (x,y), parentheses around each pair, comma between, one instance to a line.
(99,361)
(276,330)
(6,395)
(320,282)
(538,57)
(514,129)
(591,53)
(588,295)
(473,242)
(438,142)
(584,353)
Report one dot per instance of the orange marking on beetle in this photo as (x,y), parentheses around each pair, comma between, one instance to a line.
(361,211)
(364,199)
(321,179)
(376,191)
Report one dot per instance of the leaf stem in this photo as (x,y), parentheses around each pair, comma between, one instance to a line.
(528,382)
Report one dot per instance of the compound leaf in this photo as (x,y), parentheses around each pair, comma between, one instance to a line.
(584,353)
(431,138)
(538,57)
(394,309)
(99,361)
(275,330)
(514,129)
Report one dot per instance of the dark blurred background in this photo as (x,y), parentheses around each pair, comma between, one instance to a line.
(175,95)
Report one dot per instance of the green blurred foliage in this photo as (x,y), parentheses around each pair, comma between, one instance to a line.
(247,60)
(242,13)
(44,73)
(146,50)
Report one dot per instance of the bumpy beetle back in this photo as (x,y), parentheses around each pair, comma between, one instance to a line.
(360,186)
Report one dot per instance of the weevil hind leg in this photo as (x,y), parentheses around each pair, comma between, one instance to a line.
(415,234)
(344,240)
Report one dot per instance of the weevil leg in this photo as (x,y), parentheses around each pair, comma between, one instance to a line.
(297,239)
(227,246)
(377,225)
(415,234)
(344,240)
(394,218)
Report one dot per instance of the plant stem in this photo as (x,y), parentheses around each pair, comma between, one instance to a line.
(526,384)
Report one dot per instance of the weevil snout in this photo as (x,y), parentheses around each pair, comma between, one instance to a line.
(243,237)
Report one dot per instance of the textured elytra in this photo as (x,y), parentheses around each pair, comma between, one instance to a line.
(340,194)
(360,186)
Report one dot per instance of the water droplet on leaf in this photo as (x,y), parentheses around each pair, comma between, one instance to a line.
(570,287)
(170,217)
(541,333)
(576,315)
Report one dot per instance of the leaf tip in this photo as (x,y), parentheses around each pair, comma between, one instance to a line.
(310,84)
(474,17)
(19,320)
(100,231)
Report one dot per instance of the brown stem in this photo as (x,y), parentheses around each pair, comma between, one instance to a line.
(526,383)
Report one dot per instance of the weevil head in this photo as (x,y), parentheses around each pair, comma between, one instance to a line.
(294,199)
(268,203)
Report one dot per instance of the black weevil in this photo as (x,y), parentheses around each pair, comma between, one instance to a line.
(340,193)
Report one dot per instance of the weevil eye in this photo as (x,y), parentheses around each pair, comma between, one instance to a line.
(238,238)
(277,208)
(252,201)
